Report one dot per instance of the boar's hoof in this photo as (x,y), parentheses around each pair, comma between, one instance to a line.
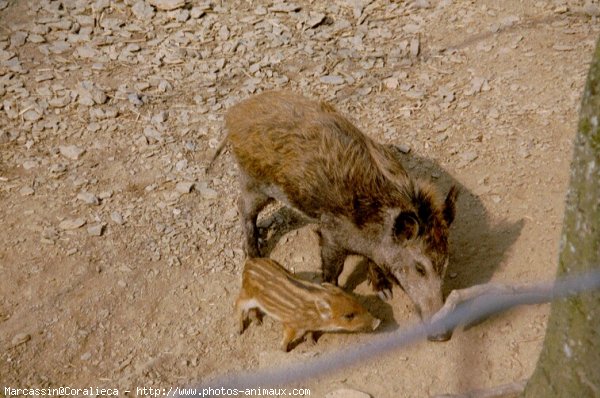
(385,294)
(440,337)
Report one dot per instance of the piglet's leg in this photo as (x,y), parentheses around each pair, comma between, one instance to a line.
(332,258)
(289,335)
(242,316)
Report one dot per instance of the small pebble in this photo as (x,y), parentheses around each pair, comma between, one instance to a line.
(117,218)
(72,224)
(71,152)
(184,187)
(95,230)
(20,338)
(332,79)
(88,198)
(26,191)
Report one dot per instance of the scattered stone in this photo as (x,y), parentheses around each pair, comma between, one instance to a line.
(206,192)
(70,224)
(90,94)
(561,9)
(184,187)
(30,164)
(95,230)
(135,99)
(86,356)
(86,52)
(224,33)
(478,84)
(153,134)
(403,148)
(332,79)
(316,19)
(17,39)
(421,4)
(563,47)
(105,195)
(88,198)
(415,47)
(468,157)
(60,102)
(71,152)
(142,10)
(284,7)
(32,115)
(391,83)
(20,338)
(197,12)
(167,5)
(26,191)
(117,218)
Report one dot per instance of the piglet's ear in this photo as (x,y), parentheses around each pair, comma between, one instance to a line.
(449,211)
(406,225)
(323,308)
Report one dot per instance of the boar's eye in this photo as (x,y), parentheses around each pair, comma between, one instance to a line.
(421,269)
(349,316)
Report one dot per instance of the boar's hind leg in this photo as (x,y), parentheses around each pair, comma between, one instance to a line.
(332,258)
(379,281)
(251,202)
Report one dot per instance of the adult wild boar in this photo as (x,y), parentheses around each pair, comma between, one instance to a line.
(306,155)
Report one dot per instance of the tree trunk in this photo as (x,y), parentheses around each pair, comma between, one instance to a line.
(569,364)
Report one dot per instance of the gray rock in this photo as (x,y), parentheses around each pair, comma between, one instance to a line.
(469,156)
(32,115)
(142,10)
(71,224)
(20,338)
(206,192)
(135,99)
(95,230)
(17,39)
(184,187)
(332,79)
(72,152)
(86,52)
(26,191)
(88,198)
(60,102)
(167,5)
(90,94)
(117,218)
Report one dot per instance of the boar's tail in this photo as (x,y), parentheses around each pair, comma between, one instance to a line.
(217,152)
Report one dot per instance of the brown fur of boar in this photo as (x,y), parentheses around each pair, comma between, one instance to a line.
(308,156)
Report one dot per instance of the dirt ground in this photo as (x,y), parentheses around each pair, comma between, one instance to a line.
(120,256)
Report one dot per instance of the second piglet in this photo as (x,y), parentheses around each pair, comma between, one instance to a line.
(303,307)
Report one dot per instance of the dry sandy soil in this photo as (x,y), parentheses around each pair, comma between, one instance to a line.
(120,256)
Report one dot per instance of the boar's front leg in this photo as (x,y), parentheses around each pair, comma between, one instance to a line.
(332,257)
(250,203)
(379,281)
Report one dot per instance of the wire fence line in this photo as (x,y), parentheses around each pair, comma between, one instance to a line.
(467,312)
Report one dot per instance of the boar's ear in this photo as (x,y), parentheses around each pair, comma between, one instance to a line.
(323,308)
(450,205)
(406,225)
